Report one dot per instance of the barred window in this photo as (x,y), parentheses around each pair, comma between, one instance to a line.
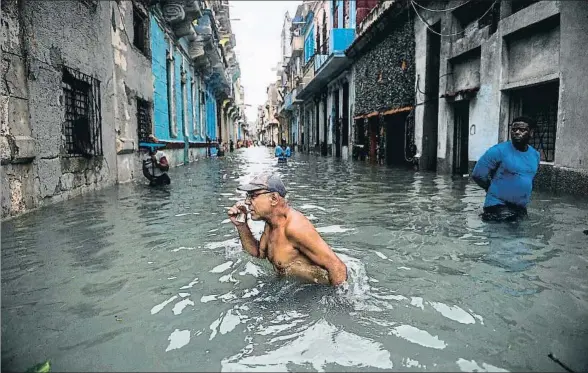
(144,127)
(539,103)
(140,30)
(82,128)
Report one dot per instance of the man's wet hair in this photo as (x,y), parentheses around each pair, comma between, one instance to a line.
(530,121)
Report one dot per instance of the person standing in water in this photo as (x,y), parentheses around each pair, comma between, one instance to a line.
(289,240)
(155,167)
(506,172)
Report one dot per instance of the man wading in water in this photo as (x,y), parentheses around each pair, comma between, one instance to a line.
(289,240)
(506,172)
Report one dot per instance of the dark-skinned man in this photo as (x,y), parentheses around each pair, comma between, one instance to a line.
(506,172)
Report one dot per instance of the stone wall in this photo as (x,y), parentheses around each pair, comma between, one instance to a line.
(384,72)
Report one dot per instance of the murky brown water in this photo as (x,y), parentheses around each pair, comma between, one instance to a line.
(133,278)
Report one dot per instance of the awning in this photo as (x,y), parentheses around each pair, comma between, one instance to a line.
(384,112)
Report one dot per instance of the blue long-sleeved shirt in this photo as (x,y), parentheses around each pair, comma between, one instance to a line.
(507,174)
(279,152)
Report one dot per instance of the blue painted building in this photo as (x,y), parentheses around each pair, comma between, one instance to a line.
(184,106)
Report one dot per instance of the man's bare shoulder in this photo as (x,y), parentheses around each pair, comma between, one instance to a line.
(297,223)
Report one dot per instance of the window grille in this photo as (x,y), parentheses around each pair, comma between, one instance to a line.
(82,128)
(541,104)
(144,119)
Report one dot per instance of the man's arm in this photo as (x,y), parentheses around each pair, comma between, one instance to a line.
(310,243)
(486,167)
(249,243)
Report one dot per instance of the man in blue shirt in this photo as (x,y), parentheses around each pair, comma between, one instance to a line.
(506,172)
(280,153)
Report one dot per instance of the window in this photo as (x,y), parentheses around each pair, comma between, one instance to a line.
(335,8)
(517,5)
(539,103)
(482,12)
(195,106)
(203,118)
(144,127)
(140,30)
(171,98)
(82,128)
(184,93)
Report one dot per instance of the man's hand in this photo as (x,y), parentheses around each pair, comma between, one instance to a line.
(235,211)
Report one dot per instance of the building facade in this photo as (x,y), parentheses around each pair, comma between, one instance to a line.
(434,86)
(77,99)
(324,93)
(384,91)
(488,63)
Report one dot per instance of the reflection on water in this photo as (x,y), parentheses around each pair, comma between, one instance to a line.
(160,275)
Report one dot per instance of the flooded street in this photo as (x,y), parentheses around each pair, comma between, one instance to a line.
(139,279)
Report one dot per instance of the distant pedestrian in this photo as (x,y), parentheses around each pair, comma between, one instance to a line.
(506,172)
(287,150)
(280,153)
(231,146)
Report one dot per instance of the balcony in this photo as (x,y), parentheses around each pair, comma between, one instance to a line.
(297,46)
(326,66)
(341,39)
(290,99)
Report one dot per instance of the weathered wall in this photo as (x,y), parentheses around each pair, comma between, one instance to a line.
(539,50)
(131,80)
(52,40)
(573,126)
(543,42)
(385,73)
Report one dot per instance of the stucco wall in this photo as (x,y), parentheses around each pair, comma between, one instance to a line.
(131,80)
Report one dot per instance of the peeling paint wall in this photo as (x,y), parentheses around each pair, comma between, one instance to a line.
(131,67)
(40,39)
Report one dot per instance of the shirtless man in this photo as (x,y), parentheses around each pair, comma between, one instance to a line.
(289,240)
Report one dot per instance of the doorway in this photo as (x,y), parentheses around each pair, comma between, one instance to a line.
(345,114)
(395,139)
(431,107)
(317,126)
(373,133)
(325,125)
(461,134)
(337,124)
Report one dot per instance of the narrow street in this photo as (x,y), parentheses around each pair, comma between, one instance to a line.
(132,278)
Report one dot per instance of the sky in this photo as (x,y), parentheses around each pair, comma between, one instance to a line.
(258,45)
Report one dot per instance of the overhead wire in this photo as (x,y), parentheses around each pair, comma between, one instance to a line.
(448,35)
(441,10)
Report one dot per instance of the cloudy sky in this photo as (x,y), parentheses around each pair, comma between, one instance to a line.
(258,45)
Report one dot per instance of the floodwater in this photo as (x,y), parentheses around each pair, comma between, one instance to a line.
(140,279)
